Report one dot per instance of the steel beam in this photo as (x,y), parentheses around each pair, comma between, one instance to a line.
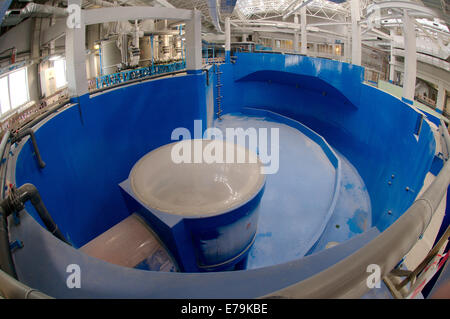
(104,15)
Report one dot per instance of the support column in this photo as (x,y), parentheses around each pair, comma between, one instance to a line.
(194,43)
(440,97)
(227,39)
(409,81)
(296,40)
(34,82)
(356,33)
(347,45)
(304,39)
(392,59)
(76,56)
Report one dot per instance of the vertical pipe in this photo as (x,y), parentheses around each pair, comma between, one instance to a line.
(152,49)
(392,59)
(440,97)
(296,40)
(100,58)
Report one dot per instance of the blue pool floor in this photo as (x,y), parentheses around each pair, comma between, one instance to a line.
(293,220)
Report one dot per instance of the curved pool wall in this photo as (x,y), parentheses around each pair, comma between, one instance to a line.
(90,148)
(371,128)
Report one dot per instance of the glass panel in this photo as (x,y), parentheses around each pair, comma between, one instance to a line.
(4,95)
(60,72)
(18,88)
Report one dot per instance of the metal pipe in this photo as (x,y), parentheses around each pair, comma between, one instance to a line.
(30,132)
(29,192)
(3,143)
(44,115)
(14,203)
(13,17)
(6,262)
(14,289)
(348,278)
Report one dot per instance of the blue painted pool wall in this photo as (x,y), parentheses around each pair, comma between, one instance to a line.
(374,130)
(91,147)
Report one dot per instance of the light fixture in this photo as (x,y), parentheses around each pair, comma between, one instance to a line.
(96,47)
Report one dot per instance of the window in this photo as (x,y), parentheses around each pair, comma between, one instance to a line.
(5,106)
(13,90)
(60,72)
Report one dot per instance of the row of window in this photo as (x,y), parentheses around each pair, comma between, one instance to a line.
(14,86)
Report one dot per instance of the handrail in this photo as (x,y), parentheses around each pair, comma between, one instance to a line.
(14,289)
(151,77)
(3,164)
(133,74)
(348,278)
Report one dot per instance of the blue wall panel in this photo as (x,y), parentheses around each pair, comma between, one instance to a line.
(89,149)
(374,130)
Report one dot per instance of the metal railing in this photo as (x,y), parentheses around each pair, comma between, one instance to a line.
(130,75)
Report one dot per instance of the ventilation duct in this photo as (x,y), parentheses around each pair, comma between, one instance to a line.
(13,17)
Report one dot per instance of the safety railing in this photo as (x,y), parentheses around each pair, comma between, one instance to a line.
(130,75)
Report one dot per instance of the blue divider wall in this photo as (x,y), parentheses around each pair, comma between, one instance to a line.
(91,147)
(374,130)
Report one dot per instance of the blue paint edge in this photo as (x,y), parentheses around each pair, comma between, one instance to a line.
(408,101)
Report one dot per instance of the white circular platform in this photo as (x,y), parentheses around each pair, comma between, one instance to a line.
(196,189)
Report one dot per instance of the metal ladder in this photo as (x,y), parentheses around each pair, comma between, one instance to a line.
(219,96)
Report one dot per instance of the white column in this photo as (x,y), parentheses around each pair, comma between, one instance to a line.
(440,97)
(227,34)
(303,30)
(409,81)
(356,33)
(227,39)
(347,45)
(76,57)
(392,61)
(194,42)
(296,40)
